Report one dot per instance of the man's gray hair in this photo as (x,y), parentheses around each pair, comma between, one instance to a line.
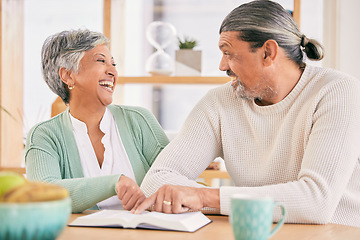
(65,49)
(261,20)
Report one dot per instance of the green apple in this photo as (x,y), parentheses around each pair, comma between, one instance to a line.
(9,180)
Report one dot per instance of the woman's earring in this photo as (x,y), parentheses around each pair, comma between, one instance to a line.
(71,87)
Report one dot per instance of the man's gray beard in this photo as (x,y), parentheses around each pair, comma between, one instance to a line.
(241,92)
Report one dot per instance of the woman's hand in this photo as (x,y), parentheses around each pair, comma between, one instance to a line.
(129,193)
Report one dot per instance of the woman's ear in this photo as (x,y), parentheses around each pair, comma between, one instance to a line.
(271,49)
(65,76)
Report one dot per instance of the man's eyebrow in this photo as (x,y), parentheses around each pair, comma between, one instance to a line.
(221,46)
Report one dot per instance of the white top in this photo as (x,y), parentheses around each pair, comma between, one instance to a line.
(303,151)
(116,160)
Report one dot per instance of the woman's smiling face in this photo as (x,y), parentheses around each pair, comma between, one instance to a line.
(96,78)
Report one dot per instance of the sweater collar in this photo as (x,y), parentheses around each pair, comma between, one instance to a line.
(76,169)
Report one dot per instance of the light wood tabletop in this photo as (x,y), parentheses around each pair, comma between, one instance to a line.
(220,228)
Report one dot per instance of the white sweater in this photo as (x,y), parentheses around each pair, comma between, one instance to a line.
(303,151)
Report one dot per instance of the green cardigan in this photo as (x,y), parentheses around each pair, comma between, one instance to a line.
(51,154)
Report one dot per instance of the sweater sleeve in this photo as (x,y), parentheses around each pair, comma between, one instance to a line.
(147,132)
(189,153)
(46,161)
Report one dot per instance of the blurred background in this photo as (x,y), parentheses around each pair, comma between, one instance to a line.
(331,22)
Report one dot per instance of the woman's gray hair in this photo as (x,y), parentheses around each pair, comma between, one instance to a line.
(261,20)
(65,49)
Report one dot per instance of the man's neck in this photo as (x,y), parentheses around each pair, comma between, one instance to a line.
(286,79)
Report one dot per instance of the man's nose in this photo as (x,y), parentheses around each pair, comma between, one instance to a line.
(223,66)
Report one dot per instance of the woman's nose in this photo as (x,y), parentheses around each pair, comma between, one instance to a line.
(112,70)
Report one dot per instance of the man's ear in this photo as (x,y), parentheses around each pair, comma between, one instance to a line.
(65,76)
(271,49)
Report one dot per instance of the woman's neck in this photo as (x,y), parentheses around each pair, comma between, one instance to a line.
(90,116)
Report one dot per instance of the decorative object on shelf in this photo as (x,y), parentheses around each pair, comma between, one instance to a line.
(187,43)
(160,35)
(187,60)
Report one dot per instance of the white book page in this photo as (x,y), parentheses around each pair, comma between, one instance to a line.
(106,218)
(189,222)
(151,220)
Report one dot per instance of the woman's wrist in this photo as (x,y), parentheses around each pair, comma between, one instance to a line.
(116,184)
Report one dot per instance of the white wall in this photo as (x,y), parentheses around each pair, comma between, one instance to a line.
(311,22)
(349,37)
(42,19)
(342,35)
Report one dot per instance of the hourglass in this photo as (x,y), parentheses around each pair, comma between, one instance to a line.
(160,35)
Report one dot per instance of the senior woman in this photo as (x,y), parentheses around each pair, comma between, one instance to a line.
(98,151)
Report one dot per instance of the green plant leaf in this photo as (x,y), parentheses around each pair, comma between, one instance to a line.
(6,111)
(187,43)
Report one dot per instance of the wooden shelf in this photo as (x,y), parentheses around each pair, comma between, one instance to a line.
(209,175)
(14,169)
(173,80)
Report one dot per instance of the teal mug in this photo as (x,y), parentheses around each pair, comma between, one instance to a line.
(252,217)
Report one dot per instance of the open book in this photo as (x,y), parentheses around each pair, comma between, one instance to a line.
(187,222)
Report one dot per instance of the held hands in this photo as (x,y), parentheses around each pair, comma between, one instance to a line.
(129,193)
(178,199)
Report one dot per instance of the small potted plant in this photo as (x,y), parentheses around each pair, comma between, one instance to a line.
(187,43)
(187,60)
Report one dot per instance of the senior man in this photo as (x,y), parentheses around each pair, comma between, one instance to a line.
(285,129)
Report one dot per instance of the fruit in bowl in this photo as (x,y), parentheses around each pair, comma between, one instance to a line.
(10,180)
(31,210)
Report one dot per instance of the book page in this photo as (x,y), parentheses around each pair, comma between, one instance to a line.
(106,218)
(188,222)
(123,214)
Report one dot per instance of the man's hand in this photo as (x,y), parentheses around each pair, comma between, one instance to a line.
(178,199)
(129,193)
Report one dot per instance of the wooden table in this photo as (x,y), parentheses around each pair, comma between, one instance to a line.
(220,229)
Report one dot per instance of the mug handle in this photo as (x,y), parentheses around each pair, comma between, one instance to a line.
(282,220)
